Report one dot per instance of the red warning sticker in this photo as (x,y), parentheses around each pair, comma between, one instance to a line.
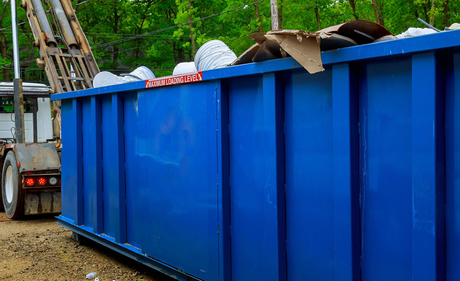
(174,80)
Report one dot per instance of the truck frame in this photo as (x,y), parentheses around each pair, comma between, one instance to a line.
(31,170)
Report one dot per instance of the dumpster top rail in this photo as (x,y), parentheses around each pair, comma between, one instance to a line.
(431,42)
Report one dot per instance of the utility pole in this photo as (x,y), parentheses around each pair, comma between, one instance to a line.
(274,10)
(17,84)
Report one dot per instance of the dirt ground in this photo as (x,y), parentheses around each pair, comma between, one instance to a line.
(40,249)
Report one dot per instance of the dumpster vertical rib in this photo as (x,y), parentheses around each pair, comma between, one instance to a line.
(118,149)
(346,181)
(427,168)
(76,119)
(274,193)
(452,194)
(223,191)
(95,163)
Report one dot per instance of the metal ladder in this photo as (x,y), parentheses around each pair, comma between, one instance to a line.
(65,53)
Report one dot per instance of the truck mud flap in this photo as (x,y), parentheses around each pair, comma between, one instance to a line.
(42,203)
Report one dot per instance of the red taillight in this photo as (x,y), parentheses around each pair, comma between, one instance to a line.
(41,181)
(30,181)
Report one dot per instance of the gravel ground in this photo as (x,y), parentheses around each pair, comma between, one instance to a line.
(40,249)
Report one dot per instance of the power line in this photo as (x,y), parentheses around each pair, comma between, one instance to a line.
(125,50)
(153,32)
(170,27)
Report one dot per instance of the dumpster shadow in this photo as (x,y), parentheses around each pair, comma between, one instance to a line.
(141,270)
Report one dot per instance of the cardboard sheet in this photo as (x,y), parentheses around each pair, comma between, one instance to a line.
(303,46)
(247,56)
(306,47)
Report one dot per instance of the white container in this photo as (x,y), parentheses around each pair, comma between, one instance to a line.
(184,67)
(105,78)
(212,55)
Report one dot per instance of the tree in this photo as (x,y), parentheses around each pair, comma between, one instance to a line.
(4,60)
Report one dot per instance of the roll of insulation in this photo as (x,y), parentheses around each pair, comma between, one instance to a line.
(212,55)
(105,78)
(142,72)
(184,67)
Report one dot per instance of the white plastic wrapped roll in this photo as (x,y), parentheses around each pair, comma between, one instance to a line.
(105,78)
(184,67)
(212,55)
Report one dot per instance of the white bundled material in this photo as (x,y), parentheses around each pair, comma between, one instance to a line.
(212,55)
(141,73)
(105,78)
(454,26)
(415,31)
(184,67)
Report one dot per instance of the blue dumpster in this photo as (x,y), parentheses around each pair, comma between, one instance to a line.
(266,172)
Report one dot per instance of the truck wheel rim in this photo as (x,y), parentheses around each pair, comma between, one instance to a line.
(9,184)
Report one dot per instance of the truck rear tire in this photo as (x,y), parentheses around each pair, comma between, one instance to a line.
(13,195)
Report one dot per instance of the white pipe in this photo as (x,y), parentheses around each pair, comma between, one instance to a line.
(14,23)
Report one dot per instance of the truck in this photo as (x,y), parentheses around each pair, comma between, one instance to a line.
(30,172)
(29,146)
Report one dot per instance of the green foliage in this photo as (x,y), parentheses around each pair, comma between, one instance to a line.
(139,23)
(5,61)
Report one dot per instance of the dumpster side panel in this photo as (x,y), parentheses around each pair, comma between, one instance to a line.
(89,186)
(246,121)
(428,162)
(178,168)
(453,166)
(108,172)
(134,190)
(257,195)
(309,178)
(386,177)
(69,162)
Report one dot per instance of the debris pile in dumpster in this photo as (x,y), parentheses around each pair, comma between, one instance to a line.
(304,46)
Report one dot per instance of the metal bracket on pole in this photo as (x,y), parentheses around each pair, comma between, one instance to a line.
(35,119)
(19,110)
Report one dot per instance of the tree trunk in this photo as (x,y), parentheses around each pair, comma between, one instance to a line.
(447,11)
(378,11)
(143,18)
(115,57)
(191,27)
(179,54)
(353,7)
(318,18)
(116,21)
(3,48)
(280,14)
(256,2)
(433,8)
(425,10)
